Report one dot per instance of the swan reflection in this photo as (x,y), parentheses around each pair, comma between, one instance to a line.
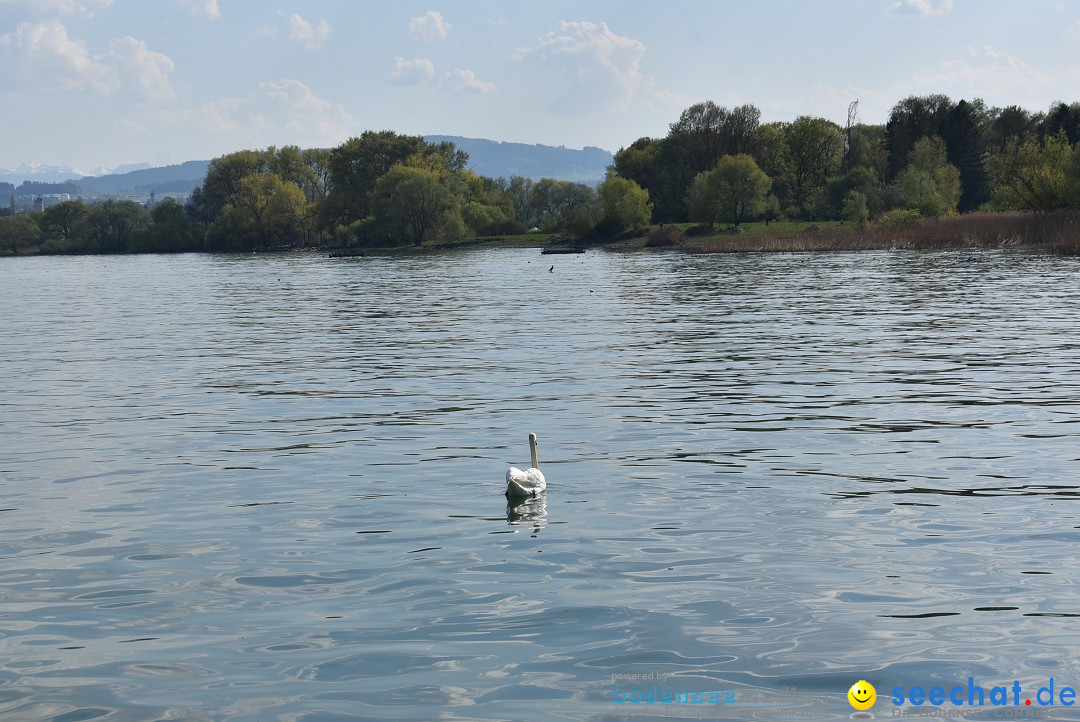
(532,510)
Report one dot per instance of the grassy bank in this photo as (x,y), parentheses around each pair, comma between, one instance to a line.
(1057,232)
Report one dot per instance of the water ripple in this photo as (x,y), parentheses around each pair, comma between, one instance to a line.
(270,487)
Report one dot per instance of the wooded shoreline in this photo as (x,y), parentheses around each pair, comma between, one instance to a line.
(937,174)
(1056,232)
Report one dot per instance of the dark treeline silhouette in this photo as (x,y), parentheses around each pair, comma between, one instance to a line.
(934,157)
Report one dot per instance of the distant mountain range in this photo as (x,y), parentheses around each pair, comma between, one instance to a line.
(180,178)
(60,173)
(486,157)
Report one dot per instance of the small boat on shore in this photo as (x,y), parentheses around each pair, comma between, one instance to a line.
(349,253)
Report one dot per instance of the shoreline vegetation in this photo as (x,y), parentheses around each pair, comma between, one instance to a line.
(938,175)
(1054,233)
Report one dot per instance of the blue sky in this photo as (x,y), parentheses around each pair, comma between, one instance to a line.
(91,83)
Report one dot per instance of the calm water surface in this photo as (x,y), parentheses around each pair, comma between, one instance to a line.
(262,488)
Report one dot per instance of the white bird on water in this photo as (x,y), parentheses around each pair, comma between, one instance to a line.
(529,482)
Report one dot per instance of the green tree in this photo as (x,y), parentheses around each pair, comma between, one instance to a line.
(637,162)
(625,205)
(544,200)
(447,155)
(772,154)
(572,197)
(707,131)
(222,185)
(356,166)
(1072,179)
(861,179)
(487,206)
(59,220)
(854,209)
(172,229)
(868,150)
(318,181)
(655,165)
(1063,119)
(109,227)
(1030,175)
(964,131)
(520,191)
(930,183)
(412,202)
(288,164)
(273,208)
(1011,123)
(732,191)
(667,166)
(17,232)
(912,119)
(815,148)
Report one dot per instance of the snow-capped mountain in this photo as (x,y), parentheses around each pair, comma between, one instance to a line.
(58,173)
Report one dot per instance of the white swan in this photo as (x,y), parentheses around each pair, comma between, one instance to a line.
(529,482)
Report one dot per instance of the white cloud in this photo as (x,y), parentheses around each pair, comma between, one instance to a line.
(412,72)
(307,35)
(54,59)
(201,8)
(987,71)
(429,27)
(60,7)
(421,71)
(600,67)
(45,57)
(922,8)
(300,109)
(466,80)
(140,68)
(281,112)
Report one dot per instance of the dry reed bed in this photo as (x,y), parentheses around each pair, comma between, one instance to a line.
(1057,232)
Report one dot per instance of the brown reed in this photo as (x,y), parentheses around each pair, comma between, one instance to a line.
(1052,232)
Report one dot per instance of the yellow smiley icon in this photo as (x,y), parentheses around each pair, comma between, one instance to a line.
(862,695)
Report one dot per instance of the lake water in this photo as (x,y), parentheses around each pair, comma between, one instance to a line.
(270,487)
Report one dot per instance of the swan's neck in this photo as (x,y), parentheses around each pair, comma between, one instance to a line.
(532,451)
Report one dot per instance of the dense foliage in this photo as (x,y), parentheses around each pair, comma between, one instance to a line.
(934,157)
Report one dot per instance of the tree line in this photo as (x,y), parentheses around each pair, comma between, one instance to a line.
(380,188)
(933,157)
